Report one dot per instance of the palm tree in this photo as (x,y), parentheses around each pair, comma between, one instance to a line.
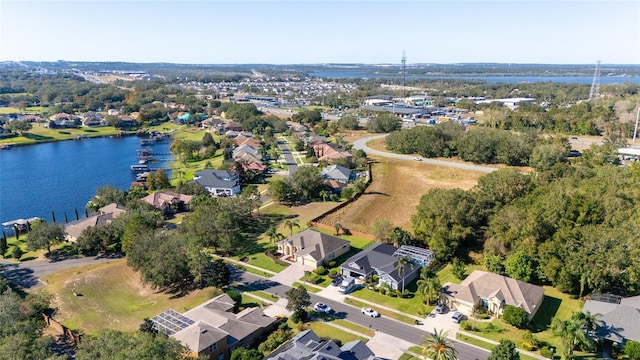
(574,332)
(337,226)
(403,262)
(273,234)
(429,287)
(323,194)
(290,224)
(437,347)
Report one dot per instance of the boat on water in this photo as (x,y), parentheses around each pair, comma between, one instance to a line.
(139,167)
(144,152)
(145,142)
(6,146)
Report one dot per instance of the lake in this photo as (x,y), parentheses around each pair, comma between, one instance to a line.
(63,176)
(587,80)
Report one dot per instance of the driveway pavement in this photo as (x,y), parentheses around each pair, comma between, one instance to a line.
(386,346)
(291,274)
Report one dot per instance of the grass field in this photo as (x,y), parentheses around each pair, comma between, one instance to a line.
(485,345)
(27,110)
(331,332)
(396,190)
(39,133)
(445,275)
(355,327)
(383,312)
(111,297)
(414,305)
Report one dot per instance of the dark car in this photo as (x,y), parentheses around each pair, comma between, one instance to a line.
(336,281)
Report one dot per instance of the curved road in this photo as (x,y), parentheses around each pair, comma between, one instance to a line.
(362,145)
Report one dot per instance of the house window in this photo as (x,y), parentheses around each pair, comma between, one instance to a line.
(213,347)
(221,356)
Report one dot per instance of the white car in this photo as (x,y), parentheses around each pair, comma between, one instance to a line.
(323,308)
(417,158)
(369,312)
(440,309)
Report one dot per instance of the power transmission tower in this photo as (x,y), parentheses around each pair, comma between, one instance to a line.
(404,78)
(595,85)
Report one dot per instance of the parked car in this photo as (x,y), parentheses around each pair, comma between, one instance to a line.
(417,158)
(336,281)
(441,308)
(457,317)
(323,308)
(370,312)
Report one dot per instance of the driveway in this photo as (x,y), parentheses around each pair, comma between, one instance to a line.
(291,274)
(362,145)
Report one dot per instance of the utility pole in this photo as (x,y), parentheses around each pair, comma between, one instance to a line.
(404,78)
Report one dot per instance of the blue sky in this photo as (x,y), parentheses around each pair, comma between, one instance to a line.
(304,32)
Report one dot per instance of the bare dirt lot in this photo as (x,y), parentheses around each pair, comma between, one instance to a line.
(396,190)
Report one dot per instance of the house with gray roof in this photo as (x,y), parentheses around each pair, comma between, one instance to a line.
(106,214)
(218,182)
(618,321)
(382,259)
(308,346)
(493,292)
(336,172)
(213,329)
(313,248)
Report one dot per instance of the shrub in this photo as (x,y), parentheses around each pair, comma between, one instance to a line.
(481,316)
(515,316)
(274,340)
(320,270)
(546,352)
(375,278)
(334,272)
(527,346)
(295,317)
(16,253)
(332,264)
(468,325)
(271,249)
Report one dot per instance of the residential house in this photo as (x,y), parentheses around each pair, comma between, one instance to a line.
(382,259)
(618,318)
(62,120)
(127,121)
(231,125)
(306,345)
(218,182)
(297,127)
(105,216)
(493,292)
(337,173)
(114,112)
(213,329)
(91,118)
(246,148)
(313,248)
(325,152)
(168,202)
(210,124)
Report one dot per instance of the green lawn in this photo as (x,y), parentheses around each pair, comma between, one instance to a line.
(406,356)
(413,305)
(312,289)
(485,345)
(383,312)
(355,327)
(261,260)
(28,110)
(259,293)
(39,133)
(357,242)
(327,331)
(249,269)
(445,275)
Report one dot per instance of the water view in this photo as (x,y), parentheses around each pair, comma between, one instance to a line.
(62,176)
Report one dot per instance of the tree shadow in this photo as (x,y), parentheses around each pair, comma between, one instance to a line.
(37,137)
(20,276)
(542,320)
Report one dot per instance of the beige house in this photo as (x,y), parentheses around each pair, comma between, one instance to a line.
(313,248)
(168,202)
(493,292)
(106,215)
(213,329)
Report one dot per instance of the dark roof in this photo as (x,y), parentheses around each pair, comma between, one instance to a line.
(216,178)
(377,256)
(308,346)
(620,324)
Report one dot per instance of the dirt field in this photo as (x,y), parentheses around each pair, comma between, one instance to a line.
(396,190)
(110,296)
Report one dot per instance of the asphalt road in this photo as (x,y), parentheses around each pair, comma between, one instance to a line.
(388,326)
(288,156)
(362,144)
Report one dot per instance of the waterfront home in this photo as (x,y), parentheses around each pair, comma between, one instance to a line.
(218,182)
(313,248)
(168,202)
(105,216)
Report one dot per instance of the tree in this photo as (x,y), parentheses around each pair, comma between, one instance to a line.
(632,349)
(44,235)
(246,354)
(279,190)
(20,126)
(290,224)
(573,332)
(402,264)
(298,299)
(429,286)
(323,194)
(515,316)
(337,226)
(381,229)
(3,244)
(16,252)
(459,269)
(437,347)
(207,140)
(545,157)
(505,350)
(111,344)
(521,266)
(219,274)
(399,236)
(383,123)
(273,234)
